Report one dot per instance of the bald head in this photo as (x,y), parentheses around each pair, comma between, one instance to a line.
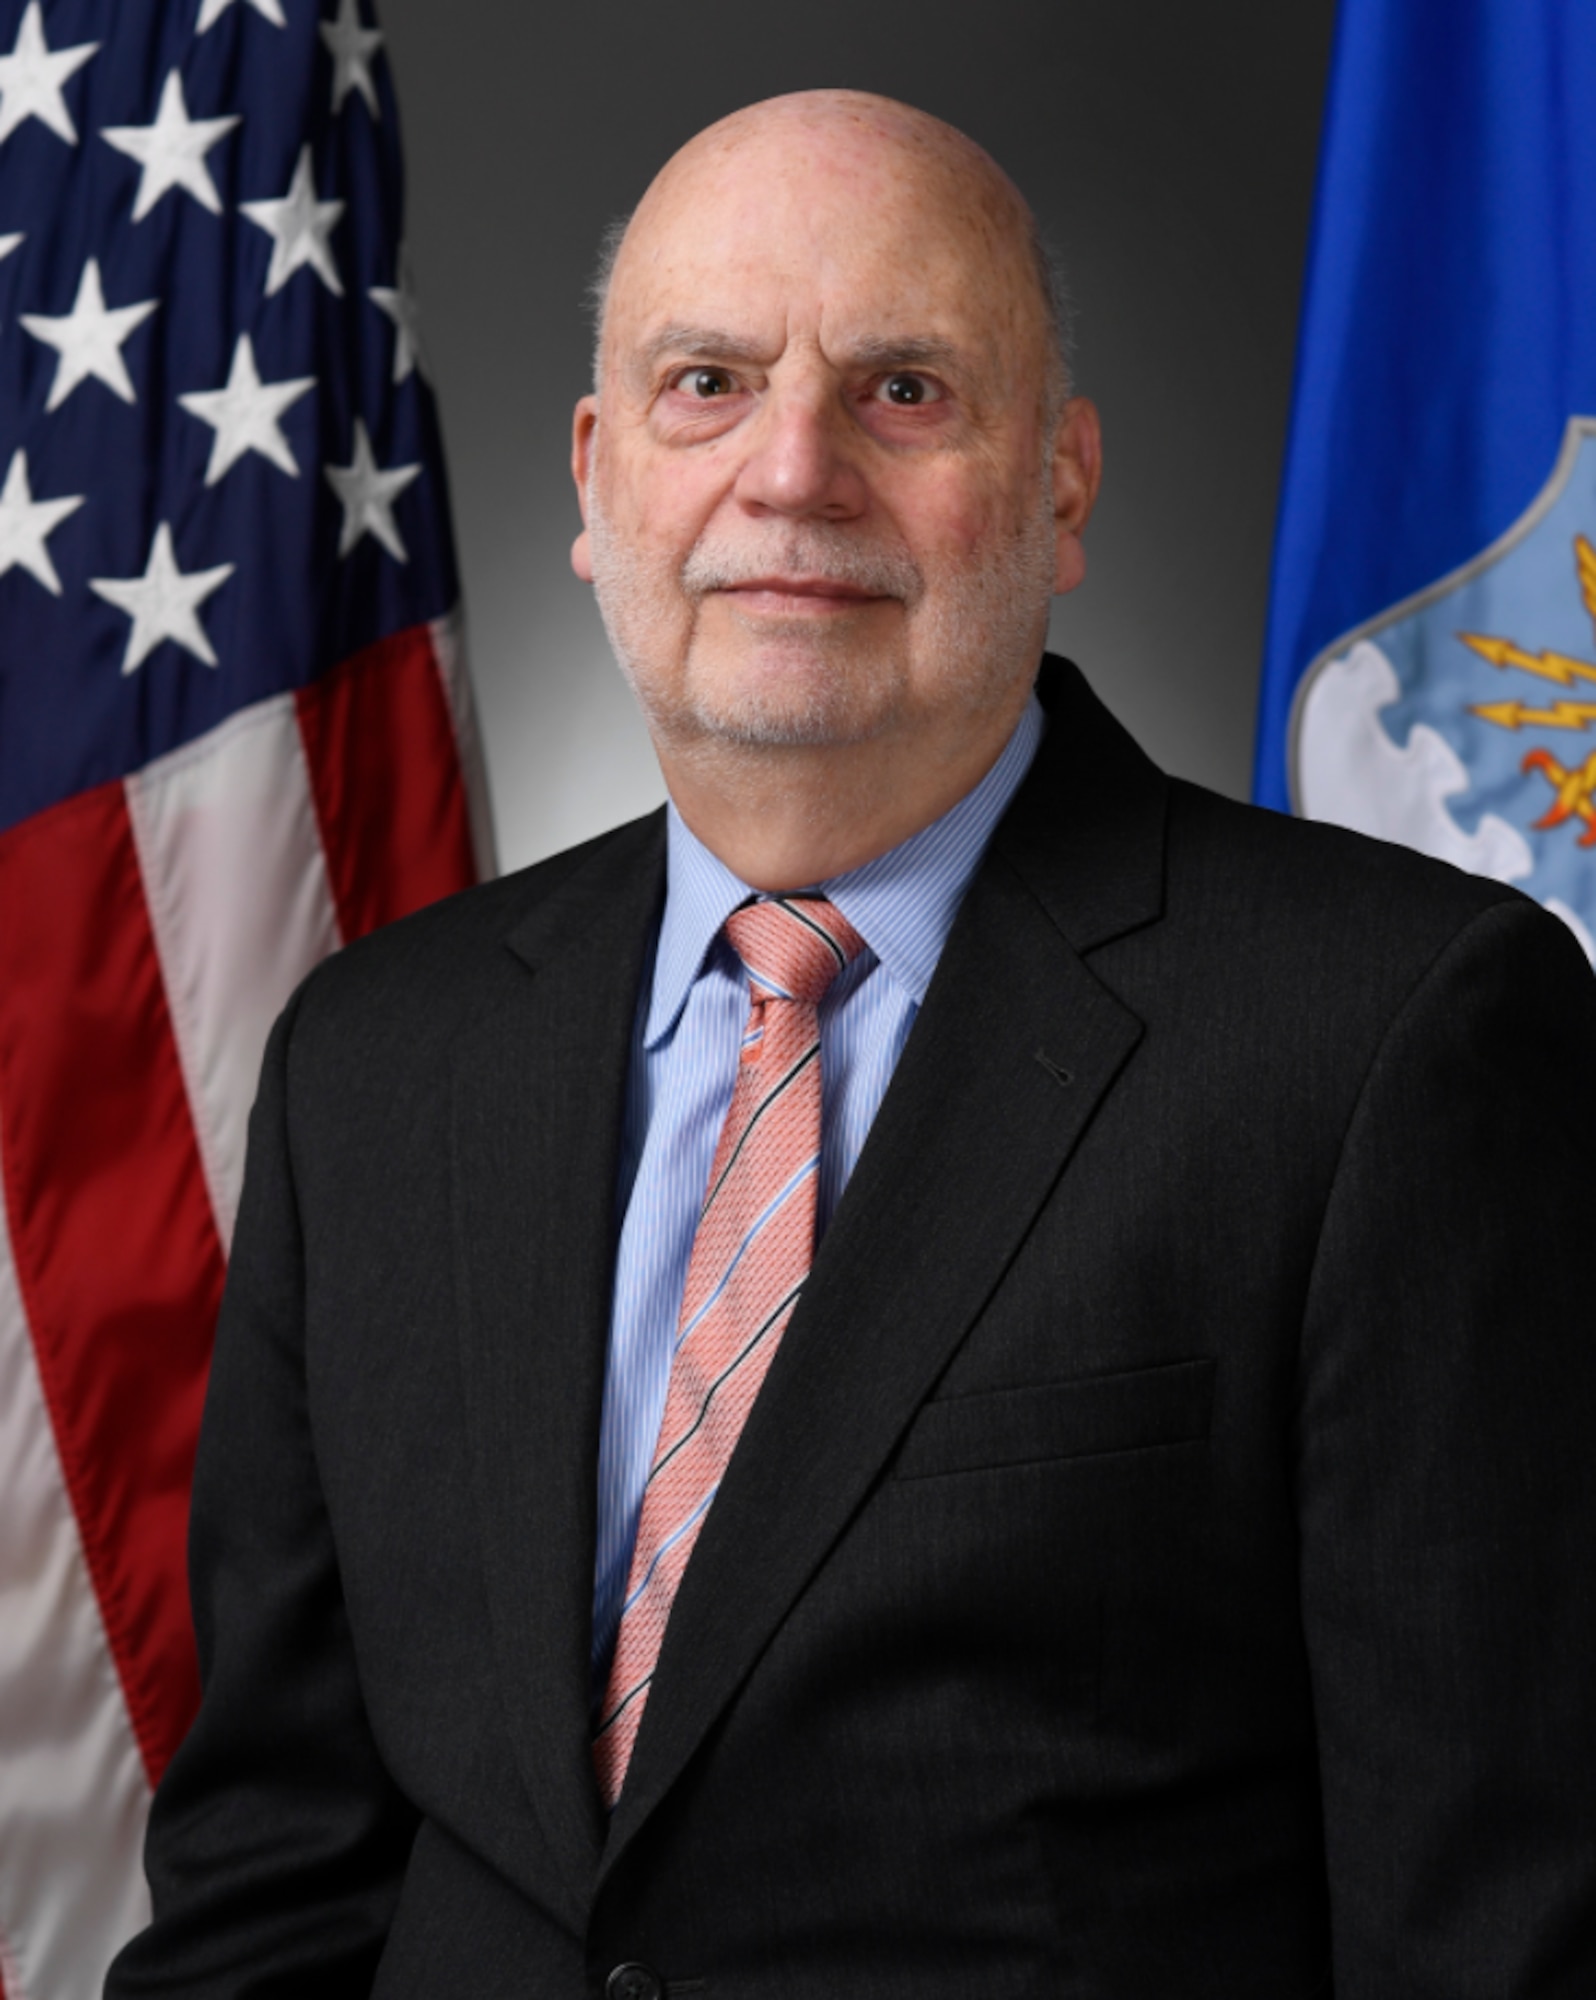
(846,129)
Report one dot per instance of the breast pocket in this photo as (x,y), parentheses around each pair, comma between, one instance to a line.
(1092,1415)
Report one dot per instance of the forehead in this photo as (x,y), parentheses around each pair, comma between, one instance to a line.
(837,231)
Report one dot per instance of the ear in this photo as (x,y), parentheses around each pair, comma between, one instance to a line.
(1077,473)
(584,425)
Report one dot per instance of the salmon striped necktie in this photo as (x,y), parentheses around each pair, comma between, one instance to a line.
(751,1253)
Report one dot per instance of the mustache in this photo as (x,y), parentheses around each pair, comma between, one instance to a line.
(816,550)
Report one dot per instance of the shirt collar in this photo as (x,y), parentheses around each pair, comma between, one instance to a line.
(902,903)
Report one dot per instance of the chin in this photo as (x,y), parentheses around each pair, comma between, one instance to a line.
(793,703)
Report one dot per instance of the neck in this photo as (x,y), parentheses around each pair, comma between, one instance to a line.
(784,817)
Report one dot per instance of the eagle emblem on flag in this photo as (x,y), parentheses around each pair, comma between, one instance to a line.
(1462,721)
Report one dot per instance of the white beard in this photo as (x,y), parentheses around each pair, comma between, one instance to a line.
(971,635)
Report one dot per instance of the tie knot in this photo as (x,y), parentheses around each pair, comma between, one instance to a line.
(793,947)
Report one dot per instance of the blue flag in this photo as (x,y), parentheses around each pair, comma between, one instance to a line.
(1430,664)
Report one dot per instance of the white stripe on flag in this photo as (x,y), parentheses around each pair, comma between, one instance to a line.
(449,650)
(241,907)
(71,1877)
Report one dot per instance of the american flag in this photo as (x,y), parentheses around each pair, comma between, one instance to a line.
(235,732)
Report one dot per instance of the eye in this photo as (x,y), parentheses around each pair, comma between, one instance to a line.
(907,391)
(704,384)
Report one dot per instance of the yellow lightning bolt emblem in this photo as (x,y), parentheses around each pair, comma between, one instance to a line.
(1573,786)
(1550,666)
(1514,714)
(1547,666)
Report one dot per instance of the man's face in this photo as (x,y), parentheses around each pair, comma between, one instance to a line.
(820,489)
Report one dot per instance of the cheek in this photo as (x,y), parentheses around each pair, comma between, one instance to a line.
(663,498)
(956,508)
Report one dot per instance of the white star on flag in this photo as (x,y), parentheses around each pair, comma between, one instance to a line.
(299,226)
(32,75)
(211,11)
(368,494)
(163,603)
(26,524)
(89,339)
(172,150)
(9,243)
(399,302)
(245,413)
(352,48)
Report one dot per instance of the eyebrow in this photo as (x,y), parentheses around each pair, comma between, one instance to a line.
(704,340)
(715,343)
(910,352)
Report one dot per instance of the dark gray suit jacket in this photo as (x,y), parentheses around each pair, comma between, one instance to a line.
(1159,1562)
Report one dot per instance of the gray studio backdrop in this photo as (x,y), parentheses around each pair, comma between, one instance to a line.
(1169,150)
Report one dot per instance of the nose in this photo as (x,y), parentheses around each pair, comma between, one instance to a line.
(801,458)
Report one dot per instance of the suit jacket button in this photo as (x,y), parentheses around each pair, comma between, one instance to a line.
(634,1982)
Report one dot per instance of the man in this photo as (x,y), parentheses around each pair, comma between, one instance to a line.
(1147,1552)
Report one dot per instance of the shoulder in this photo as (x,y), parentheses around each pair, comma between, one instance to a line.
(424,978)
(1137,862)
(1307,945)
(1302,872)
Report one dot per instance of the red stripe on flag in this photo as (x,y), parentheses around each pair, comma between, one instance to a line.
(115,1245)
(385,775)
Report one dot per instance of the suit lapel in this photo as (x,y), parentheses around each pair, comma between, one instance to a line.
(1014,1049)
(538,1096)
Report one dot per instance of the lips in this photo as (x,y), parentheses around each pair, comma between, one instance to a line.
(800,592)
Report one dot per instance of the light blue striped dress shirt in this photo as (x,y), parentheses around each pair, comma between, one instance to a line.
(690,1018)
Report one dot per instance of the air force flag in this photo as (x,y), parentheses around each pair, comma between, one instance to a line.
(1430,670)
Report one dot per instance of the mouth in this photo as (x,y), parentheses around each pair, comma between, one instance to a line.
(799,596)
